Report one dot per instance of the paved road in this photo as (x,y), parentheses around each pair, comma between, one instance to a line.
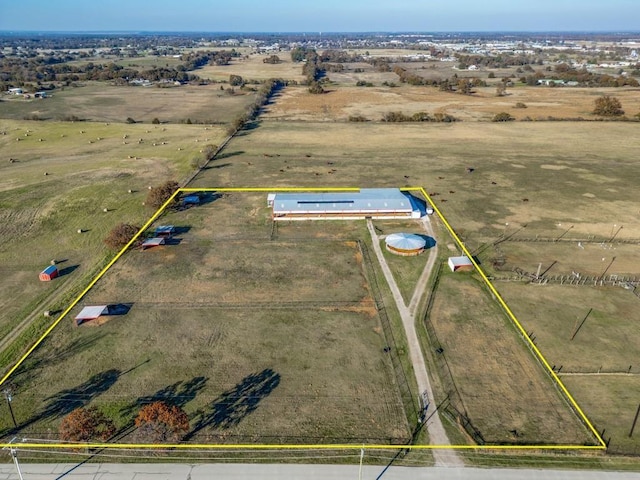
(147,471)
(437,434)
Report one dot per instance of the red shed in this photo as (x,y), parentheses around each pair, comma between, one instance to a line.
(49,273)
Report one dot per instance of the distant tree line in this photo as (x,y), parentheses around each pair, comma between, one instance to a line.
(396,117)
(312,68)
(504,60)
(38,70)
(265,92)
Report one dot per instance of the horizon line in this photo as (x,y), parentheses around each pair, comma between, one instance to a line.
(318,32)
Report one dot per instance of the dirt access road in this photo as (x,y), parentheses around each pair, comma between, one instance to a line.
(437,435)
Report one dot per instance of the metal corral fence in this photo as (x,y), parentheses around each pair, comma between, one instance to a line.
(592,239)
(409,397)
(453,406)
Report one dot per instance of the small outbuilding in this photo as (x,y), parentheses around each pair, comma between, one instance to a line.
(191,200)
(165,231)
(405,244)
(49,273)
(153,242)
(91,313)
(460,264)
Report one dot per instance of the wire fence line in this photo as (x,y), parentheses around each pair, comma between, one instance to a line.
(590,239)
(406,394)
(453,406)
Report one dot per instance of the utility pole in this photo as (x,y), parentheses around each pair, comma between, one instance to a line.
(14,456)
(361,458)
(8,394)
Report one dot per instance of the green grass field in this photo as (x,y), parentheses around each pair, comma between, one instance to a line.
(261,341)
(86,173)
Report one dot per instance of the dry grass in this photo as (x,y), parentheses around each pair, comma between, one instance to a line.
(373,102)
(607,340)
(612,403)
(552,165)
(105,103)
(254,68)
(503,389)
(565,258)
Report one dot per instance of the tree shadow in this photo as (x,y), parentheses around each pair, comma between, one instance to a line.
(232,406)
(213,167)
(66,401)
(178,394)
(56,356)
(229,154)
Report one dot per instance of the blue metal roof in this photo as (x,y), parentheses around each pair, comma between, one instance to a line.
(50,269)
(367,200)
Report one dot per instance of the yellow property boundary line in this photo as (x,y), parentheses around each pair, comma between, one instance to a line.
(182,446)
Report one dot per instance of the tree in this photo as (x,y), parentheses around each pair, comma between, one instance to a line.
(236,80)
(120,235)
(273,59)
(607,106)
(160,194)
(501,90)
(316,88)
(502,117)
(85,425)
(159,422)
(464,87)
(155,121)
(130,120)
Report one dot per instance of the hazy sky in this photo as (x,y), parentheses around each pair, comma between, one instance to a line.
(323,15)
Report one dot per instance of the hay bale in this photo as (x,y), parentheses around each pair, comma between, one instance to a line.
(80,230)
(46,173)
(47,313)
(53,262)
(105,210)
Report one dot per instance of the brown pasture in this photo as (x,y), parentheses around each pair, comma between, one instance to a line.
(252,67)
(342,101)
